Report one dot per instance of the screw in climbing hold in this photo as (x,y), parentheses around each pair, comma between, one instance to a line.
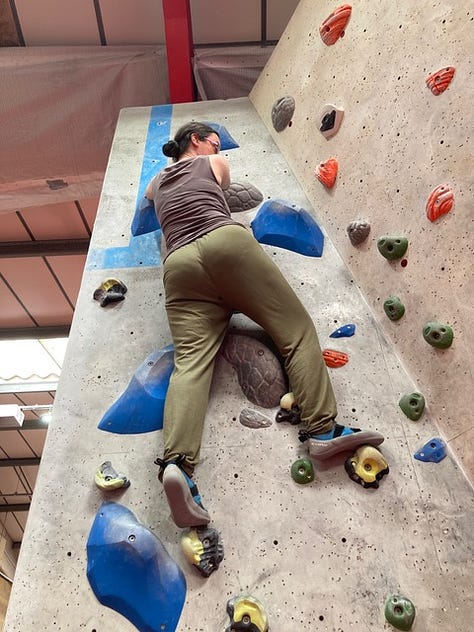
(344,332)
(335,359)
(399,612)
(358,232)
(366,466)
(439,80)
(326,172)
(110,291)
(246,613)
(333,27)
(433,451)
(394,308)
(331,119)
(438,335)
(392,247)
(302,471)
(440,202)
(106,478)
(282,113)
(413,405)
(202,547)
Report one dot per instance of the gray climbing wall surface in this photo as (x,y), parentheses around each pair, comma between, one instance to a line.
(322,556)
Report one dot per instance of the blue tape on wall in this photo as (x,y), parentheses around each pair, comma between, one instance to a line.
(143,250)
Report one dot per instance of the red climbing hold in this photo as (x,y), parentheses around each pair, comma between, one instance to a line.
(440,202)
(333,26)
(335,359)
(438,81)
(326,172)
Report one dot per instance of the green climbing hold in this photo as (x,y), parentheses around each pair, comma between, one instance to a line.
(394,308)
(392,247)
(399,612)
(302,471)
(438,335)
(413,405)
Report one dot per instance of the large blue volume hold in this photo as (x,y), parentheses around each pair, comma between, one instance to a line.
(279,224)
(131,572)
(140,408)
(145,219)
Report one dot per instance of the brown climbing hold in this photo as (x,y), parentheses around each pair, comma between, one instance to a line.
(335,359)
(438,81)
(440,202)
(334,25)
(326,172)
(282,113)
(242,197)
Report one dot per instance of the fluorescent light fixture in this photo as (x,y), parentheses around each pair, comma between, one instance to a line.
(11,416)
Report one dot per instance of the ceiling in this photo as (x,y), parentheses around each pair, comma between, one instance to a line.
(43,248)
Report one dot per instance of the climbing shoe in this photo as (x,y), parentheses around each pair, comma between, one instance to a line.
(183,497)
(338,439)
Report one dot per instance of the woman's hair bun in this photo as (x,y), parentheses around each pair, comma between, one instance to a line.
(171,149)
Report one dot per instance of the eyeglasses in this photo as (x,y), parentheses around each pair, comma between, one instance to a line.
(215,144)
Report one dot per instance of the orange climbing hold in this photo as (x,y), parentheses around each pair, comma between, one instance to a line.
(335,359)
(333,26)
(440,202)
(326,172)
(438,81)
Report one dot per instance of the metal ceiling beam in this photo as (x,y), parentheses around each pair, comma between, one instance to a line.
(14,508)
(46,248)
(28,387)
(25,462)
(34,333)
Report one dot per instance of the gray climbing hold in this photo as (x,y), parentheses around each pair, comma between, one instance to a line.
(254,419)
(394,308)
(242,197)
(282,113)
(358,232)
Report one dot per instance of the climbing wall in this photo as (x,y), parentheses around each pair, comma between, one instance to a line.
(399,140)
(321,556)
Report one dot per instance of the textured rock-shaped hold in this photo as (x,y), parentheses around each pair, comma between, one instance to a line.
(344,332)
(302,471)
(394,308)
(254,419)
(438,335)
(326,172)
(279,224)
(145,219)
(331,119)
(399,612)
(242,197)
(259,371)
(440,202)
(203,548)
(335,359)
(282,113)
(413,405)
(392,247)
(130,571)
(433,451)
(246,613)
(439,80)
(358,232)
(366,466)
(334,25)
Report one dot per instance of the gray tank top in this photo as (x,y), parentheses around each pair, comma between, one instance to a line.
(189,202)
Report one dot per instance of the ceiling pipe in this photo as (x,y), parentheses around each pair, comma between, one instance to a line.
(46,248)
(14,508)
(179,50)
(24,462)
(34,333)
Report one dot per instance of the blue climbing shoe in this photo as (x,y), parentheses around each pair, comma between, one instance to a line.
(183,498)
(339,439)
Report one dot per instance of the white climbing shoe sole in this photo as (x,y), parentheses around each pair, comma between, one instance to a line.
(184,509)
(323,449)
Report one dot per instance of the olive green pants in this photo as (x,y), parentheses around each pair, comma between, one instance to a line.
(207,280)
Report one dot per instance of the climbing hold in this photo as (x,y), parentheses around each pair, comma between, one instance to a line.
(440,202)
(279,224)
(326,172)
(226,140)
(145,219)
(242,197)
(392,247)
(399,612)
(140,408)
(344,332)
(413,405)
(331,119)
(246,613)
(439,80)
(106,478)
(358,232)
(433,451)
(282,113)
(110,291)
(289,410)
(130,571)
(254,419)
(302,471)
(334,358)
(259,371)
(438,335)
(366,466)
(394,308)
(202,547)
(334,25)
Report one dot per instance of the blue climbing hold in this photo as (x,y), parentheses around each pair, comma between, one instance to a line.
(145,219)
(227,142)
(434,450)
(140,408)
(284,226)
(343,332)
(130,571)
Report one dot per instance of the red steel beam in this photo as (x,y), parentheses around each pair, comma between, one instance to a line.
(180,50)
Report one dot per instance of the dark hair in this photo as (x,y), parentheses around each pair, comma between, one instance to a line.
(176,147)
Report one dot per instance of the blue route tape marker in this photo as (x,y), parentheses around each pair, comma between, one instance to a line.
(143,250)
